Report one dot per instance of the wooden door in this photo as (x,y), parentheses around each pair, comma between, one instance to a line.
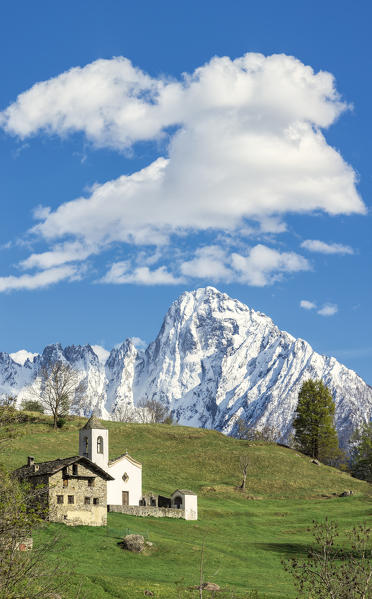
(125,497)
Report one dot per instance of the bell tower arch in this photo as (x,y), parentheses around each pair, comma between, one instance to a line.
(93,442)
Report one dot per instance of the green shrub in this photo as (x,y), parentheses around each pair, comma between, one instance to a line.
(32,406)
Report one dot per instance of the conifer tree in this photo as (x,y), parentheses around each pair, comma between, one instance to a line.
(315,433)
(361,454)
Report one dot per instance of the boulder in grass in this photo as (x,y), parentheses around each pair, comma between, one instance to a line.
(210,586)
(134,543)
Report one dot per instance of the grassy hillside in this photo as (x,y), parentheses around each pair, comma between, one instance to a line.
(245,534)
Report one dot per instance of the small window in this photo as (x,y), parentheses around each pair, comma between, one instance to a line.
(59,498)
(95,501)
(100,445)
(65,482)
(90,482)
(87,500)
(74,469)
(71,499)
(86,444)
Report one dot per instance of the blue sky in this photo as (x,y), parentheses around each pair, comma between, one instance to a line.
(151,148)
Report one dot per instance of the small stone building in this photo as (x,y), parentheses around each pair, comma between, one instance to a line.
(125,484)
(182,499)
(75,489)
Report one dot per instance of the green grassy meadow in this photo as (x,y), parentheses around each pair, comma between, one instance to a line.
(245,534)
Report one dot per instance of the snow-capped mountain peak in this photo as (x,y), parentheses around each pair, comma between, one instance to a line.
(214,360)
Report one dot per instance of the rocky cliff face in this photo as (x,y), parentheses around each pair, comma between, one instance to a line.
(214,361)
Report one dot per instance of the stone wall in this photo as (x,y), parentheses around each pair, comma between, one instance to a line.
(66,484)
(140,510)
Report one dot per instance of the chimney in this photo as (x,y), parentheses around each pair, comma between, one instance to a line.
(30,460)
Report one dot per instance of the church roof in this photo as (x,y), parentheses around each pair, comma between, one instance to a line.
(93,422)
(49,468)
(183,492)
(126,456)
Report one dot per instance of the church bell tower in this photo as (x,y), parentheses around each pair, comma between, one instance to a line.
(93,442)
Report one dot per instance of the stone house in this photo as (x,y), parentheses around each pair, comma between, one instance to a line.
(74,489)
(125,484)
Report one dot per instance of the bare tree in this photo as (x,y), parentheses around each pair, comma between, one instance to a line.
(153,411)
(124,413)
(267,433)
(330,572)
(56,387)
(244,463)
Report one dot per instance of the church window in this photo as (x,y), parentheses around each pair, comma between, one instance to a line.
(125,477)
(100,445)
(65,482)
(95,501)
(71,499)
(87,500)
(86,446)
(74,469)
(90,482)
(59,498)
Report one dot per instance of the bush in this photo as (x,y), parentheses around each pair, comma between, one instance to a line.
(32,406)
(330,571)
(61,421)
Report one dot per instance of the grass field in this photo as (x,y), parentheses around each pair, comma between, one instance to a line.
(245,534)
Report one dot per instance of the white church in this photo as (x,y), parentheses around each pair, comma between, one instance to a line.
(126,488)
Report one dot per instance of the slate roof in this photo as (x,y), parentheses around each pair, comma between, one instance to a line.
(93,422)
(49,468)
(184,491)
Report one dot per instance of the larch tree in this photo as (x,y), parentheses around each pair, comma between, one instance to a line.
(315,433)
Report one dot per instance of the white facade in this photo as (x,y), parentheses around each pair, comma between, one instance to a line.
(126,488)
(185,500)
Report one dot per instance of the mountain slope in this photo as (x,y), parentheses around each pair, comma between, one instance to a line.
(214,360)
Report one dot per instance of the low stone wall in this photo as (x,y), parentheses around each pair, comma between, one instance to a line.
(141,510)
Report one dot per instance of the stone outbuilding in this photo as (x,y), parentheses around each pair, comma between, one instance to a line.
(74,489)
(125,484)
(182,499)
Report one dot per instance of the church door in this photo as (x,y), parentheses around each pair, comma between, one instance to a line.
(125,497)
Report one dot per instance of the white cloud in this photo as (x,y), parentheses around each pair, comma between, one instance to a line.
(208,263)
(259,266)
(121,272)
(263,265)
(38,280)
(101,353)
(22,355)
(314,245)
(328,310)
(307,305)
(244,142)
(139,343)
(60,254)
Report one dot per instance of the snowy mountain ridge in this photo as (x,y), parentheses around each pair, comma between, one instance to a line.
(214,361)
